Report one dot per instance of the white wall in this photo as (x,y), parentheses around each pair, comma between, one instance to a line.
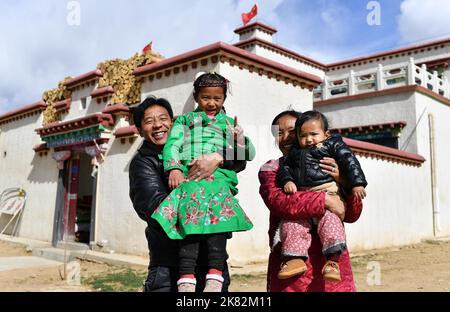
(22,167)
(397,210)
(92,107)
(441,114)
(116,220)
(377,110)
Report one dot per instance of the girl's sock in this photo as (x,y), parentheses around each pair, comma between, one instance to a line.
(187,276)
(215,272)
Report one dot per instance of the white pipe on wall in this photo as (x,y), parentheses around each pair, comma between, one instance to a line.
(434,189)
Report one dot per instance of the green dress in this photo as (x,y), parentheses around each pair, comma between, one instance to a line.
(207,206)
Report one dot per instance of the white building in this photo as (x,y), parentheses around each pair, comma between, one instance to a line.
(388,98)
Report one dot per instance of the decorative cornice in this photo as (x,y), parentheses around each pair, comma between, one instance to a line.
(281,50)
(234,56)
(63,106)
(41,148)
(411,88)
(258,25)
(373,127)
(105,91)
(117,109)
(23,112)
(444,62)
(382,152)
(106,120)
(377,57)
(125,132)
(98,141)
(83,79)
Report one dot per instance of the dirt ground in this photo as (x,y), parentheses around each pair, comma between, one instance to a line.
(421,267)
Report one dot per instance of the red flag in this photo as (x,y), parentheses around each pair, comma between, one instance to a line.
(246,17)
(148,47)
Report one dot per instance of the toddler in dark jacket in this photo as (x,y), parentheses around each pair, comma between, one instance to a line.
(301,170)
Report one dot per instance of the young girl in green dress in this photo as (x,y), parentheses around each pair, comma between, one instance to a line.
(204,210)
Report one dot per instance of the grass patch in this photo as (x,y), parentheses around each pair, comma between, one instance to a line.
(245,278)
(125,280)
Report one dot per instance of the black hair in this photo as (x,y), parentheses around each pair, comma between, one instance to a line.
(311,115)
(210,80)
(150,101)
(290,112)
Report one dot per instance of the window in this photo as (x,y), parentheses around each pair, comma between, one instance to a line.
(83,104)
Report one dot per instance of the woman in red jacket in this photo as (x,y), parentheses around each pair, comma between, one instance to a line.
(303,205)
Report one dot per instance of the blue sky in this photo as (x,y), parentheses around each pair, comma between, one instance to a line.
(40,48)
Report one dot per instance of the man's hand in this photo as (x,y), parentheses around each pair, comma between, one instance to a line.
(335,204)
(359,192)
(290,188)
(204,166)
(175,178)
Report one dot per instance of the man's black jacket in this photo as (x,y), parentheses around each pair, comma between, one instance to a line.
(302,164)
(148,188)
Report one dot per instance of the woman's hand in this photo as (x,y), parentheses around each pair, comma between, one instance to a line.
(175,178)
(204,166)
(335,205)
(330,166)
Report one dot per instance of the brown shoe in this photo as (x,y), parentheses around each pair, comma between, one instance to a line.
(292,268)
(331,271)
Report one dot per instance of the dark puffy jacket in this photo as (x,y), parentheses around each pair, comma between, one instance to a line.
(302,165)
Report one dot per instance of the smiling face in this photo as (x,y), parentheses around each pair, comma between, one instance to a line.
(312,133)
(285,136)
(210,100)
(156,125)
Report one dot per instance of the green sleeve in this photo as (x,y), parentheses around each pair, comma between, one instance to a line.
(248,152)
(172,148)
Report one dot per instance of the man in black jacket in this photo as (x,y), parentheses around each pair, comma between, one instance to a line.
(149,187)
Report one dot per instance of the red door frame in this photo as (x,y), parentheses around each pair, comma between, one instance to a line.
(70,198)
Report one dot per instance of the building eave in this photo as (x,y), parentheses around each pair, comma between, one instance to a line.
(411,88)
(106,120)
(371,127)
(22,112)
(117,109)
(282,50)
(235,56)
(124,132)
(87,77)
(391,53)
(100,92)
(382,152)
(265,27)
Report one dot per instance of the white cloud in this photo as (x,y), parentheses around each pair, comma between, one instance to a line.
(420,20)
(39,48)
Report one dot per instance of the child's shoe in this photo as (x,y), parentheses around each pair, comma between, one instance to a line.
(331,271)
(213,283)
(291,268)
(186,284)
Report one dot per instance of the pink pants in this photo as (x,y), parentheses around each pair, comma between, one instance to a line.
(295,236)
